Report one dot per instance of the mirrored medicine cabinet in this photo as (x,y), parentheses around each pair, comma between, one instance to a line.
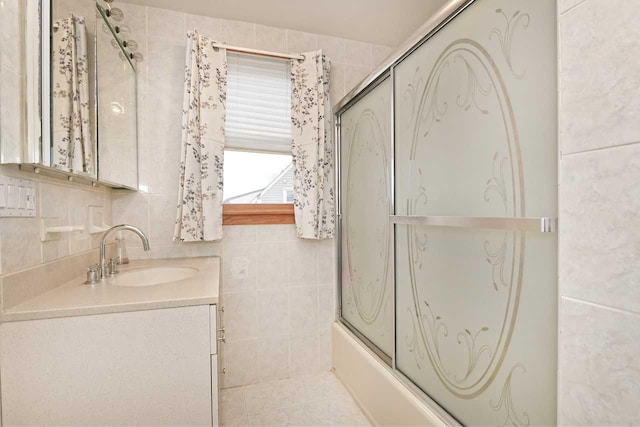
(80,94)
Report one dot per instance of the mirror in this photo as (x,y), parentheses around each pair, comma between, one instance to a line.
(80,92)
(117,125)
(73,86)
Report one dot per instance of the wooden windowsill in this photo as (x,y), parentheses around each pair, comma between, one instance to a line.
(247,214)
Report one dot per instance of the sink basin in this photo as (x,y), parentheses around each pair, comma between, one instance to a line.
(151,276)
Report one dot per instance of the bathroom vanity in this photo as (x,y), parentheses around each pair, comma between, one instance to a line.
(136,349)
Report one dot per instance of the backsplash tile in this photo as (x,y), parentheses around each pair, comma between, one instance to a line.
(69,203)
(19,243)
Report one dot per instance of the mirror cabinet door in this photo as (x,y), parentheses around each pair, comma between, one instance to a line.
(117,125)
(79,91)
(73,86)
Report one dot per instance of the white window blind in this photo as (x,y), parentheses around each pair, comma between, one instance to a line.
(258,104)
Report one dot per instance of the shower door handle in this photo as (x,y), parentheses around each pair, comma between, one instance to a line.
(537,224)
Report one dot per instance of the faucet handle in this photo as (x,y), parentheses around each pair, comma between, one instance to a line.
(92,274)
(113,267)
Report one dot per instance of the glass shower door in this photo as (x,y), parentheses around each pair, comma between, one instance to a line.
(476,201)
(365,205)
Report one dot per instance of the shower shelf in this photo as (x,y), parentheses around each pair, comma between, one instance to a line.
(538,224)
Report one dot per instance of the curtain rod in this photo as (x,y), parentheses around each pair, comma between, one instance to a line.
(259,52)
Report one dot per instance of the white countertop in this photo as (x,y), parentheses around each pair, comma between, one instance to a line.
(74,298)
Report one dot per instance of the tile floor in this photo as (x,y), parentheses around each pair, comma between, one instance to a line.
(318,400)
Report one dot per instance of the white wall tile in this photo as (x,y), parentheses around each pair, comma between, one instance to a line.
(353,75)
(54,203)
(303,265)
(358,54)
(274,233)
(271,38)
(239,233)
(241,363)
(205,25)
(325,361)
(162,208)
(79,203)
(131,208)
(19,243)
(565,5)
(298,41)
(599,368)
(326,261)
(379,53)
(326,306)
(599,79)
(333,47)
(241,316)
(232,403)
(165,24)
(273,358)
(600,232)
(271,265)
(303,310)
(238,33)
(304,355)
(273,313)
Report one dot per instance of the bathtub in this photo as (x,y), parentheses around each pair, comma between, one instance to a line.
(382,395)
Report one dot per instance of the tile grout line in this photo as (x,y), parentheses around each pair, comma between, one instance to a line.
(591,150)
(573,7)
(602,306)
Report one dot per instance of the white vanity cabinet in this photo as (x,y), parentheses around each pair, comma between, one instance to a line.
(152,367)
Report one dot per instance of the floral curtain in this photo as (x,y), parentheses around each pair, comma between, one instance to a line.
(72,142)
(199,216)
(312,147)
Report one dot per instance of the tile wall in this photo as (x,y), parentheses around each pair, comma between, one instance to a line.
(279,300)
(599,367)
(278,290)
(20,245)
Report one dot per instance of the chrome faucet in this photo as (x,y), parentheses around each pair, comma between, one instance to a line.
(103,244)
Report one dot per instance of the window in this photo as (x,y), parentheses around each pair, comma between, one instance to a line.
(288,195)
(257,163)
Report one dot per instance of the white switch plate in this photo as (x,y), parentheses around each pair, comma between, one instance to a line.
(17,197)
